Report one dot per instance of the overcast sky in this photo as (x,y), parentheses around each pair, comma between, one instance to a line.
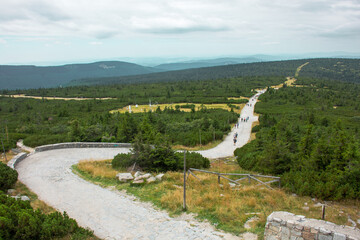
(65,31)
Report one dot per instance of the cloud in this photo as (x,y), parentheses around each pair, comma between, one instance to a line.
(344,31)
(177,25)
(96,43)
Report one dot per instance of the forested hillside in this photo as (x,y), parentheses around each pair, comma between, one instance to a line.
(279,68)
(24,77)
(333,68)
(49,121)
(204,91)
(310,136)
(347,70)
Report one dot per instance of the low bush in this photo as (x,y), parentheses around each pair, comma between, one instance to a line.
(159,159)
(193,160)
(122,160)
(8,177)
(18,220)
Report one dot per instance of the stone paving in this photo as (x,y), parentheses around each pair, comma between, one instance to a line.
(110,213)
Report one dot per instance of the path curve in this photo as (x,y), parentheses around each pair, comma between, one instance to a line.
(227,147)
(109,213)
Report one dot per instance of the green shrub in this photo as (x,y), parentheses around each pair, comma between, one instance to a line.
(193,160)
(18,220)
(8,177)
(38,140)
(122,160)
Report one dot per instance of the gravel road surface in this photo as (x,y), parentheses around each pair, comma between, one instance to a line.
(110,214)
(227,147)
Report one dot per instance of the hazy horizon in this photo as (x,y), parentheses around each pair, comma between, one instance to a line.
(45,32)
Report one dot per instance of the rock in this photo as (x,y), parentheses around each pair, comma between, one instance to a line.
(25,198)
(306,208)
(138,173)
(358,221)
(151,179)
(16,197)
(159,176)
(232,185)
(221,195)
(124,177)
(138,181)
(145,176)
(11,191)
(318,205)
(294,195)
(306,204)
(249,236)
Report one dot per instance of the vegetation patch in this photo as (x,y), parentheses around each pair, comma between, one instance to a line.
(301,137)
(225,207)
(184,107)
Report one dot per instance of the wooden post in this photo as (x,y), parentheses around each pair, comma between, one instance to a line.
(184,203)
(323,212)
(249,180)
(2,143)
(219,179)
(200,135)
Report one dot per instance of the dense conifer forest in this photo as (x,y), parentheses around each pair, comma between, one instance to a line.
(310,136)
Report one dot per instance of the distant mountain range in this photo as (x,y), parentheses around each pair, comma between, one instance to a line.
(206,63)
(25,77)
(29,76)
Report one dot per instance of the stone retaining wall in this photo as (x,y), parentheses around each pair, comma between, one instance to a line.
(15,160)
(21,156)
(81,145)
(284,225)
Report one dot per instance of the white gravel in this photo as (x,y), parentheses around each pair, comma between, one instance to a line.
(110,213)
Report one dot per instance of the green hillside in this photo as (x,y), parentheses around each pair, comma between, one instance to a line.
(25,77)
(338,69)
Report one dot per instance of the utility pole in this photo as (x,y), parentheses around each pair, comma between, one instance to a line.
(184,203)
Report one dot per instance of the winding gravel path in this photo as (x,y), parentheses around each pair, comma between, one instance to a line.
(112,214)
(227,147)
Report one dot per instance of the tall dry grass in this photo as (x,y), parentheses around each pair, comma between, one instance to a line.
(228,208)
(97,168)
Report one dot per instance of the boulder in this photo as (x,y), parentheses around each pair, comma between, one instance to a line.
(10,191)
(138,174)
(151,179)
(25,198)
(144,176)
(159,176)
(124,177)
(138,181)
(232,185)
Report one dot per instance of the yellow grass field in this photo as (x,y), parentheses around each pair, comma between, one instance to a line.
(239,98)
(147,108)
